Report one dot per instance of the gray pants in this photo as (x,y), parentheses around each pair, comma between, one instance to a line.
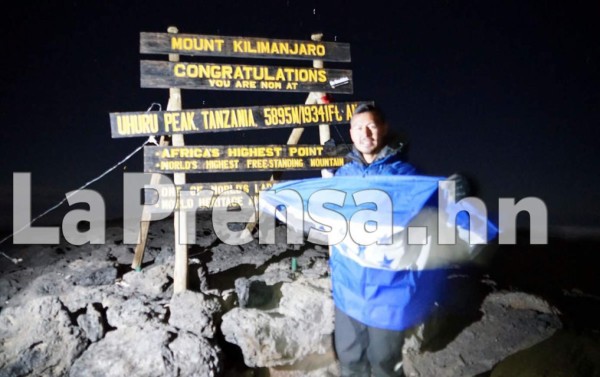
(364,351)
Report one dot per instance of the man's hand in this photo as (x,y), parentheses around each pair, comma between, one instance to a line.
(462,187)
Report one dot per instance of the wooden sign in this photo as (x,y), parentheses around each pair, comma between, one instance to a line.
(242,47)
(240,158)
(198,197)
(159,74)
(229,119)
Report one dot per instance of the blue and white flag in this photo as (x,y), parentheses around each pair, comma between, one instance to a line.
(393,239)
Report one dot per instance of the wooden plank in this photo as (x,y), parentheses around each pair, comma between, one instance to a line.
(242,47)
(227,119)
(140,248)
(222,196)
(212,76)
(180,271)
(241,158)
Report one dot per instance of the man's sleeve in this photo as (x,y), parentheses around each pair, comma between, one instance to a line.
(342,171)
(402,168)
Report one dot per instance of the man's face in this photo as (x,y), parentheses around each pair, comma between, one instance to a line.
(368,134)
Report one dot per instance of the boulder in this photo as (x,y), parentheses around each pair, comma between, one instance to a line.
(148,351)
(512,321)
(301,326)
(92,323)
(136,310)
(38,338)
(194,312)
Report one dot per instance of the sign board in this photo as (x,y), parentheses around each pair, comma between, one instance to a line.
(229,119)
(240,158)
(160,74)
(242,47)
(203,195)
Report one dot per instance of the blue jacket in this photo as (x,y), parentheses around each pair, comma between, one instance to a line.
(380,296)
(388,162)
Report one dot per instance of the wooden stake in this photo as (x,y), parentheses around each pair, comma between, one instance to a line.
(141,247)
(313,97)
(180,220)
(324,132)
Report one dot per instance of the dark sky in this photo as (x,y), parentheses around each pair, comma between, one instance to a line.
(505,92)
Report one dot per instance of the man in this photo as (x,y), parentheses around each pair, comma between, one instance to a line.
(375,303)
(362,348)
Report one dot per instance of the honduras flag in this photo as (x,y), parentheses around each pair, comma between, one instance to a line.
(393,239)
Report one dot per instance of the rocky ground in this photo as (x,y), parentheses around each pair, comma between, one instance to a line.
(81,311)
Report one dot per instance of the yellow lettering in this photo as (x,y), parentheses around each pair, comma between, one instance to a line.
(263,47)
(196,44)
(237,46)
(179,70)
(330,162)
(303,151)
(349,111)
(221,164)
(270,85)
(321,75)
(137,124)
(177,165)
(176,43)
(169,121)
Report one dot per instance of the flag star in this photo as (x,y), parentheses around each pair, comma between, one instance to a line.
(387,262)
(361,250)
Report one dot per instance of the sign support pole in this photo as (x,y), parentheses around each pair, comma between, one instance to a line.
(313,97)
(324,132)
(136,264)
(180,220)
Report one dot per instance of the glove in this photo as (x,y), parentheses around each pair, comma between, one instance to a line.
(461,184)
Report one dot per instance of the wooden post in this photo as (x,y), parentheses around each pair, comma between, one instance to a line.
(136,264)
(313,97)
(180,222)
(324,132)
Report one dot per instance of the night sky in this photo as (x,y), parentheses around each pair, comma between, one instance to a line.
(505,92)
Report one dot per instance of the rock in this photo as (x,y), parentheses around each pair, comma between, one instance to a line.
(166,255)
(122,254)
(265,339)
(9,286)
(38,339)
(566,353)
(148,351)
(253,293)
(277,272)
(194,312)
(225,257)
(520,301)
(128,351)
(91,323)
(314,365)
(195,356)
(202,272)
(92,273)
(79,297)
(152,281)
(135,311)
(512,321)
(301,326)
(49,284)
(309,300)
